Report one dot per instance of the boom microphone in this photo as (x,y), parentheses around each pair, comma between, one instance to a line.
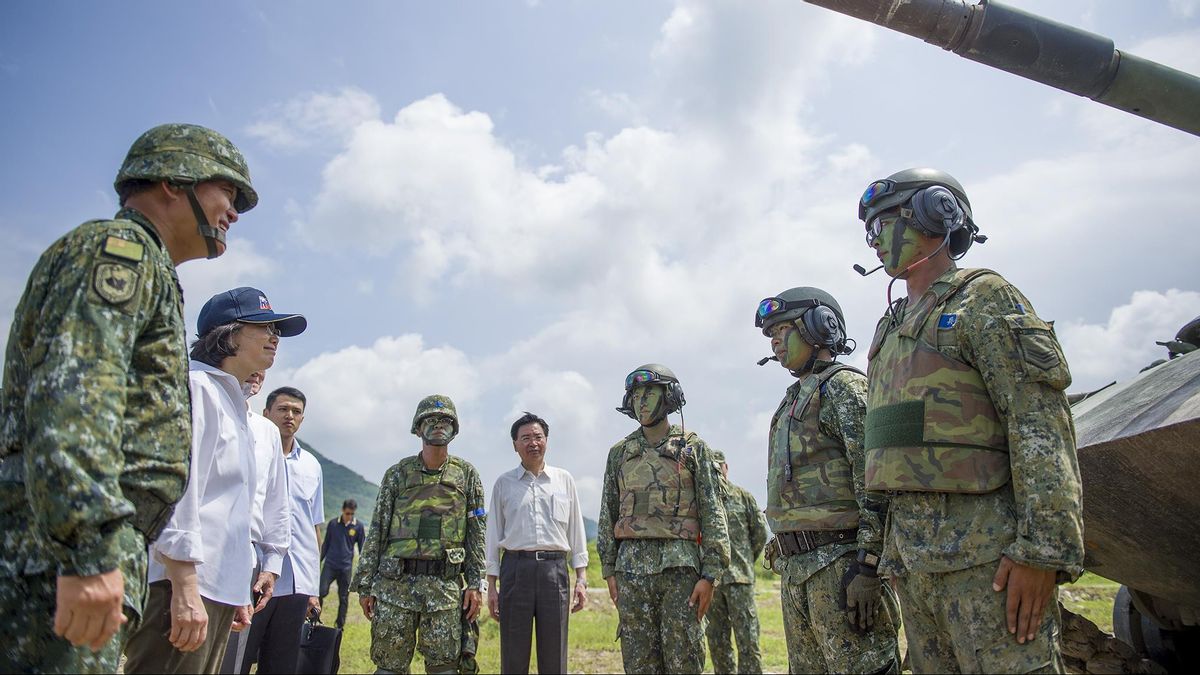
(862,270)
(764,360)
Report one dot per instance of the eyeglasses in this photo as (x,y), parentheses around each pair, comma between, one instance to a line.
(271,328)
(875,227)
(440,420)
(531,439)
(771,306)
(643,377)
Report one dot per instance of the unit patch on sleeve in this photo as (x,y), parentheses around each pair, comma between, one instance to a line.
(114,282)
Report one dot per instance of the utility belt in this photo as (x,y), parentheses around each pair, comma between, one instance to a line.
(804,541)
(150,513)
(538,555)
(397,567)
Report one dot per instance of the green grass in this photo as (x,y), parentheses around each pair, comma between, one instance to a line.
(594,650)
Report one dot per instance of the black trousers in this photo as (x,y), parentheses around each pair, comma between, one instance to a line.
(328,575)
(274,639)
(533,592)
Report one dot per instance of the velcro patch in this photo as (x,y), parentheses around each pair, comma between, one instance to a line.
(947,321)
(477,513)
(123,248)
(114,282)
(1020,308)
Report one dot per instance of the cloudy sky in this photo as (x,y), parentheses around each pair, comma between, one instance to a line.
(517,203)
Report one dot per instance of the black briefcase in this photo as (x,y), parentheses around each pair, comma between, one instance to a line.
(319,647)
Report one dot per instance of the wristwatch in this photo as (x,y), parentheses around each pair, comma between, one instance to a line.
(867,558)
(709,578)
(483,586)
(581,581)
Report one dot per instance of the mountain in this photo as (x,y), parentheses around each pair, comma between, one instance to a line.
(342,484)
(589,528)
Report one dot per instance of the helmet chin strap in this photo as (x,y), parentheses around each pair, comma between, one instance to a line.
(211,234)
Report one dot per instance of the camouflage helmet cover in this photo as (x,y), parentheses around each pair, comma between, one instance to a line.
(665,378)
(908,183)
(435,404)
(190,152)
(798,294)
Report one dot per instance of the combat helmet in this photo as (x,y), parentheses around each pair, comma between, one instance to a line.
(185,155)
(815,312)
(653,373)
(434,404)
(921,194)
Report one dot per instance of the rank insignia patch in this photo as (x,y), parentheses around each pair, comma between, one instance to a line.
(114,282)
(123,248)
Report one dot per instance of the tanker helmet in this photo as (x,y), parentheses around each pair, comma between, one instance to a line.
(653,373)
(435,404)
(186,154)
(815,313)
(934,201)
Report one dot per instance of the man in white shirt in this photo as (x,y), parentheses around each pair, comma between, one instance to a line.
(200,567)
(270,525)
(536,526)
(274,639)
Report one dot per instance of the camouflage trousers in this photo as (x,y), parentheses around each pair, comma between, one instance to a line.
(819,638)
(733,609)
(397,632)
(27,605)
(956,623)
(659,632)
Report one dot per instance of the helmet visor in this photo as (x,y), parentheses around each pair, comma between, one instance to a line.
(773,306)
(643,377)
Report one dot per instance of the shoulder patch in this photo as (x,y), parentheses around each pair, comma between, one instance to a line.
(123,248)
(114,282)
(947,321)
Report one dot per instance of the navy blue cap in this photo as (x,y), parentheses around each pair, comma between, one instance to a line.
(248,305)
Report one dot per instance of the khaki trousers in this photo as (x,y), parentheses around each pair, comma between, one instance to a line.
(150,652)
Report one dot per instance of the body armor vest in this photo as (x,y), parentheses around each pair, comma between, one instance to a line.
(931,425)
(809,481)
(658,491)
(430,512)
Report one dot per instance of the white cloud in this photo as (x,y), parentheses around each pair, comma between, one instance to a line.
(1118,348)
(1183,8)
(307,120)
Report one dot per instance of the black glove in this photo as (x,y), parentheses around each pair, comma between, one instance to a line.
(863,590)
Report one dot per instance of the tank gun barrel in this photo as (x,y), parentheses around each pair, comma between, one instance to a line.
(1042,50)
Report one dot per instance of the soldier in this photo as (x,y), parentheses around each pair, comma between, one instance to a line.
(661,537)
(426,535)
(968,428)
(733,606)
(95,429)
(837,615)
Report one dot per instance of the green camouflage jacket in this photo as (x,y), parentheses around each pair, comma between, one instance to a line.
(747,534)
(1036,518)
(95,418)
(651,556)
(420,592)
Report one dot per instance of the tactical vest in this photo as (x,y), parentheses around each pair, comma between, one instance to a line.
(658,491)
(809,480)
(931,425)
(430,512)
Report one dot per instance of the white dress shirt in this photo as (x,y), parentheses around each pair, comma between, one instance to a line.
(211,523)
(271,527)
(302,566)
(535,513)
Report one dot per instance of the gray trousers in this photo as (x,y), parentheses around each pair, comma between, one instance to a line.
(150,652)
(533,591)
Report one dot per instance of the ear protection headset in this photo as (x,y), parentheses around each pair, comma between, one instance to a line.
(822,327)
(936,210)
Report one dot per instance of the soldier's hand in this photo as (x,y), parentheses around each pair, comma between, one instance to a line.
(1029,590)
(241,618)
(472,601)
(494,603)
(864,593)
(612,589)
(89,609)
(367,602)
(265,587)
(701,596)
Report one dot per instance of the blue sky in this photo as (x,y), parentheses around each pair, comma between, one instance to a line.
(517,203)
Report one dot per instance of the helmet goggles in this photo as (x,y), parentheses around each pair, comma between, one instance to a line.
(643,376)
(772,306)
(877,191)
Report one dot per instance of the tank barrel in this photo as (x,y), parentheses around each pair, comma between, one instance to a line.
(1042,50)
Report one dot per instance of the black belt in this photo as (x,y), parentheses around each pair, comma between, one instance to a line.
(803,541)
(434,568)
(538,555)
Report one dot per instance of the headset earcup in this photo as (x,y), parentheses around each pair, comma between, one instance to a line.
(821,326)
(937,210)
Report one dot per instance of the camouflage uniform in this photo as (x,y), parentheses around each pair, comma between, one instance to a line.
(733,606)
(95,431)
(968,426)
(421,611)
(655,576)
(820,423)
